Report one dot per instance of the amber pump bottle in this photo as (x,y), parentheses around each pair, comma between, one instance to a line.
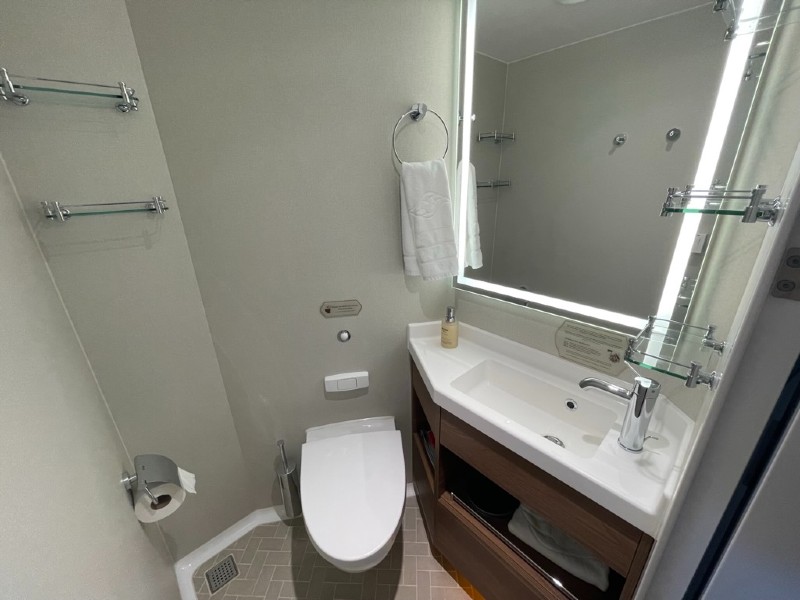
(450,329)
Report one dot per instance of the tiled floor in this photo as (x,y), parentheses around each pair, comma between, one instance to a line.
(278,562)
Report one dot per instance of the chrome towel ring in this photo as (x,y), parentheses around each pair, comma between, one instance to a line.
(417,113)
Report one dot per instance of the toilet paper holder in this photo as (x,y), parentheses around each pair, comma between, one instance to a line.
(151,470)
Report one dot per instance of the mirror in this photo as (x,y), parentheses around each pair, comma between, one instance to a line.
(585,114)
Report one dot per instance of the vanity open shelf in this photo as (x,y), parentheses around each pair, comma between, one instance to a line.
(676,349)
(478,541)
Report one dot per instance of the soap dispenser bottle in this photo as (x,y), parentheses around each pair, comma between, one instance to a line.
(450,329)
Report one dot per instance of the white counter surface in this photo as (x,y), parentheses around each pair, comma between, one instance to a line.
(636,487)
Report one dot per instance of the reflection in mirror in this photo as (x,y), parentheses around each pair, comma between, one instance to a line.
(584,115)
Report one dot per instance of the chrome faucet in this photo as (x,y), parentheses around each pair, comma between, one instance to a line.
(642,401)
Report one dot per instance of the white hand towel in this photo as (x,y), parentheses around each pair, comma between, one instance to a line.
(474,256)
(429,244)
(556,545)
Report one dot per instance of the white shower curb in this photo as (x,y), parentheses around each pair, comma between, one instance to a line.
(185,567)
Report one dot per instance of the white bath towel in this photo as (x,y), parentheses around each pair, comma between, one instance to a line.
(426,212)
(552,543)
(474,256)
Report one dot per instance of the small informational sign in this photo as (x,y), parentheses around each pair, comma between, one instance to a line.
(592,347)
(340,308)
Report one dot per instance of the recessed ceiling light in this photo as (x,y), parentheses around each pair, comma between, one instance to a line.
(570,1)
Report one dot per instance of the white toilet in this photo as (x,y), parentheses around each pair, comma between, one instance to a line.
(353,490)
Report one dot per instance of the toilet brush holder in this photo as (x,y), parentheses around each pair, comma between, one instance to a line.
(290,492)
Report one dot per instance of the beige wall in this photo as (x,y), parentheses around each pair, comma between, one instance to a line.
(68,530)
(128,280)
(276,119)
(581,218)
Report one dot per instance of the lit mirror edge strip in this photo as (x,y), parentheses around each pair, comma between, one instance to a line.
(466,131)
(634,323)
(712,148)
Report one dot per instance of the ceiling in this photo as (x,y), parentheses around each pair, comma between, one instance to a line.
(510,30)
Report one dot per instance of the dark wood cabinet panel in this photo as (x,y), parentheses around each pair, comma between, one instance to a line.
(612,539)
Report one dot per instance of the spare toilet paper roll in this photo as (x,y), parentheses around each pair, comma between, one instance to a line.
(170,497)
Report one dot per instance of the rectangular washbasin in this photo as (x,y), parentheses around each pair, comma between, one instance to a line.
(580,424)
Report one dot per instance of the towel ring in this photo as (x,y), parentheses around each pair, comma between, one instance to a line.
(417,113)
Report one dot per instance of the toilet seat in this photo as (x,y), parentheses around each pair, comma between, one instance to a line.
(352,488)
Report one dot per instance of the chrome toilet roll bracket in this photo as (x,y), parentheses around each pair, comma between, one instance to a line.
(130,481)
(151,470)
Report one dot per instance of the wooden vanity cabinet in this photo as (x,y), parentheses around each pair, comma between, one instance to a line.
(499,565)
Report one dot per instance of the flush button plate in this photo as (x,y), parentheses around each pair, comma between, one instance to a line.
(345,382)
(787,279)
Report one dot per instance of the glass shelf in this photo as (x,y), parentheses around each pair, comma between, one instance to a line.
(497,137)
(676,349)
(748,204)
(37,88)
(11,89)
(56,211)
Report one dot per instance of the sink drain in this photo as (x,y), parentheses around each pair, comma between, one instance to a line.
(555,440)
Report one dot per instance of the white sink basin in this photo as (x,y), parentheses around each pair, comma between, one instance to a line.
(557,414)
(517,395)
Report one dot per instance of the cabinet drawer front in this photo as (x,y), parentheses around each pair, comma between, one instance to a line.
(494,569)
(613,540)
(429,407)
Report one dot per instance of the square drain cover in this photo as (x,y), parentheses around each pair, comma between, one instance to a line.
(221,573)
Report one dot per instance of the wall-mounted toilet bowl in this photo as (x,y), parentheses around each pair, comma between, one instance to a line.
(353,489)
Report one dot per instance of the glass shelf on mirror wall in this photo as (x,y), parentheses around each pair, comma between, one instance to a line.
(748,204)
(496,137)
(676,349)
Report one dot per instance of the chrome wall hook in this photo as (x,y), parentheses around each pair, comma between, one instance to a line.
(418,111)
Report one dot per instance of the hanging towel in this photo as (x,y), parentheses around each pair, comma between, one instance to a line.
(426,213)
(552,543)
(474,256)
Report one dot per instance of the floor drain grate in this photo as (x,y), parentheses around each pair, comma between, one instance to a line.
(221,573)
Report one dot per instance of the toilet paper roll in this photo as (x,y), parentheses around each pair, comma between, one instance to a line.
(170,496)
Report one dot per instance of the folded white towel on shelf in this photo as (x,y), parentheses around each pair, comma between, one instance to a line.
(426,213)
(474,256)
(554,544)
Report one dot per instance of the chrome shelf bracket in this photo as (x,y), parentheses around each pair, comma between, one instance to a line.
(9,93)
(710,342)
(699,377)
